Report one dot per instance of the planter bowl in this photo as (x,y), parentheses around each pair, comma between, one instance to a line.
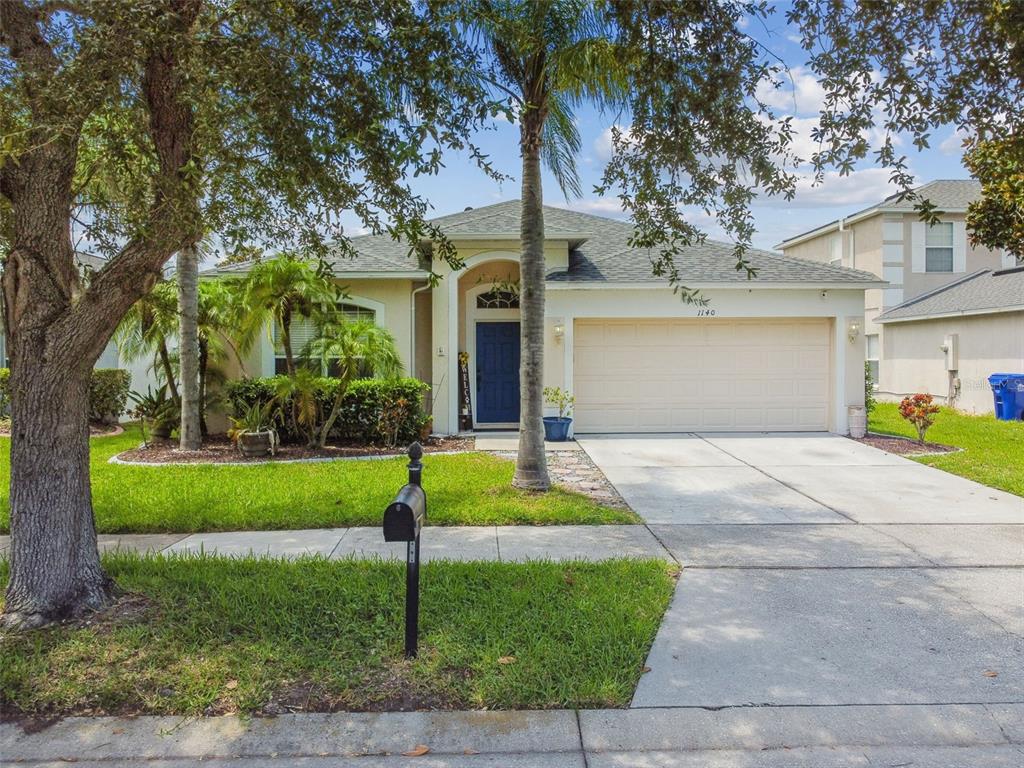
(556,430)
(256,444)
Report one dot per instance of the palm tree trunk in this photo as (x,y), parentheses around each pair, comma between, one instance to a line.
(204,362)
(286,341)
(165,363)
(531,464)
(190,434)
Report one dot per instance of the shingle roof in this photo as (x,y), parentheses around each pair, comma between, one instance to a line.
(979,292)
(599,252)
(947,195)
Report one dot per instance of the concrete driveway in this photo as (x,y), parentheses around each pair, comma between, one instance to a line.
(819,571)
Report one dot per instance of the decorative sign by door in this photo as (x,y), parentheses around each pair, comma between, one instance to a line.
(465,402)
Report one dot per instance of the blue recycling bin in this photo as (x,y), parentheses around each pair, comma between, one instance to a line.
(1008,395)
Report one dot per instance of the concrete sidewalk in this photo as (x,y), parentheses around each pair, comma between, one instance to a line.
(936,736)
(505,543)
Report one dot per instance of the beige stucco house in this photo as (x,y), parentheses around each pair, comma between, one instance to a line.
(890,241)
(947,342)
(780,352)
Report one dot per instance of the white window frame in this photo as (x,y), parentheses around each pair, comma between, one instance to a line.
(937,250)
(872,356)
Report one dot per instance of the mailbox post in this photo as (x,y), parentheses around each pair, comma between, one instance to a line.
(403,521)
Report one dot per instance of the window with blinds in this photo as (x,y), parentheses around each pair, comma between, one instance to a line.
(303,330)
(938,251)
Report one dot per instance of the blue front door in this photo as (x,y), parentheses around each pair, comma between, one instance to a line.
(497,373)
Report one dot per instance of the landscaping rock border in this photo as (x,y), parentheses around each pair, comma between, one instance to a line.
(576,471)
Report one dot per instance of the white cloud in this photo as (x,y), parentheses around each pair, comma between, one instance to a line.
(953,144)
(603,144)
(599,206)
(859,188)
(800,92)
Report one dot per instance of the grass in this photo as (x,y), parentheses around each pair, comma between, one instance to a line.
(464,489)
(223,635)
(993,451)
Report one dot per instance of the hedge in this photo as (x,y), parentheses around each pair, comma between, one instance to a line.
(108,393)
(360,417)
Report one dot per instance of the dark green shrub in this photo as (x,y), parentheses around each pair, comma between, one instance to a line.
(108,393)
(5,392)
(360,417)
(869,389)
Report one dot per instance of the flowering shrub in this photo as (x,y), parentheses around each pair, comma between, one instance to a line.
(919,410)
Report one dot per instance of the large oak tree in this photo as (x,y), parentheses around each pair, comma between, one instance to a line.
(147,123)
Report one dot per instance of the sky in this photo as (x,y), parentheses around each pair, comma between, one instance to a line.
(461,184)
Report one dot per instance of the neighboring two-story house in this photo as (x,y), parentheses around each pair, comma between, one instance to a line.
(910,349)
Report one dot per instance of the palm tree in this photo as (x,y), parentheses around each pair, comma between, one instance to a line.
(550,56)
(353,350)
(285,287)
(224,329)
(147,327)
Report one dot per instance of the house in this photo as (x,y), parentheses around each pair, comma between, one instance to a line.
(889,240)
(783,351)
(948,341)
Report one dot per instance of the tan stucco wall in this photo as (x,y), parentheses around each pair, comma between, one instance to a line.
(916,283)
(912,360)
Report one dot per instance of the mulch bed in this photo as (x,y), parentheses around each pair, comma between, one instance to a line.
(217,449)
(902,446)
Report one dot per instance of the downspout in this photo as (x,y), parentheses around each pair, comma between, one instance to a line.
(412,330)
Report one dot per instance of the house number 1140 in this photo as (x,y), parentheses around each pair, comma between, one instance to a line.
(705,313)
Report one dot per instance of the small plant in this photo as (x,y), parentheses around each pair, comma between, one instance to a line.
(919,410)
(869,389)
(560,399)
(161,412)
(254,421)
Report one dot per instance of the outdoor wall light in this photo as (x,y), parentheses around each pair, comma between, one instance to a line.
(853,330)
(559,330)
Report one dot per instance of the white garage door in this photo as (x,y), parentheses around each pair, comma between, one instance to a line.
(701,374)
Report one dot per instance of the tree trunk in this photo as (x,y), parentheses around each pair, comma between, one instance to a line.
(51,503)
(204,362)
(531,464)
(165,363)
(286,341)
(190,436)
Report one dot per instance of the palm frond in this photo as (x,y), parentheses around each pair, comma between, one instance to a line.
(560,143)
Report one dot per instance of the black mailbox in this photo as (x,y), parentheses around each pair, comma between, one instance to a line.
(403,521)
(404,516)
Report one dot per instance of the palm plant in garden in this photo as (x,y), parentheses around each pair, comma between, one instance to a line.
(286,287)
(550,56)
(352,350)
(147,329)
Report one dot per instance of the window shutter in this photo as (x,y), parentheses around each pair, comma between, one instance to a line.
(959,246)
(917,235)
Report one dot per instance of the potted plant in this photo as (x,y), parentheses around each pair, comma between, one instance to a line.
(556,428)
(252,431)
(160,411)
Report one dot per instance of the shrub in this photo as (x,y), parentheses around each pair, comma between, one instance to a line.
(108,393)
(869,390)
(360,419)
(918,410)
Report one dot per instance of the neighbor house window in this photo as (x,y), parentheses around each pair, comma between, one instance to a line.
(303,330)
(871,355)
(835,250)
(938,247)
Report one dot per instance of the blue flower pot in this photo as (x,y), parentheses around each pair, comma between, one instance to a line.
(556,430)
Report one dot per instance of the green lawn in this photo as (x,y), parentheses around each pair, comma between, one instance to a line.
(466,489)
(993,450)
(225,635)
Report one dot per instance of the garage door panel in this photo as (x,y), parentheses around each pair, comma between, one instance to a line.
(684,374)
